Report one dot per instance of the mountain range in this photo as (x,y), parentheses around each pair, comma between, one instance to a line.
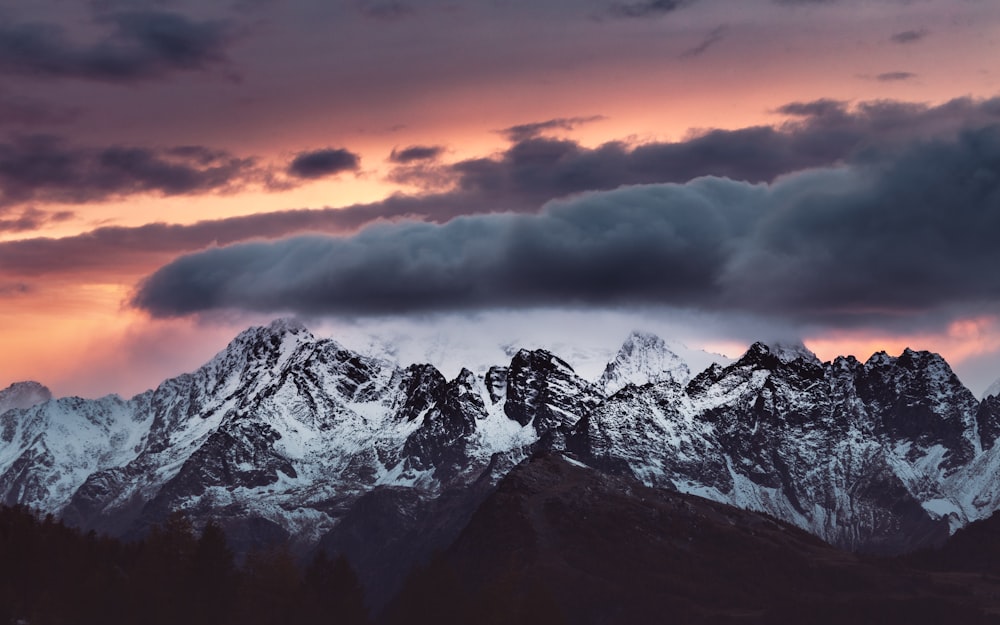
(286,437)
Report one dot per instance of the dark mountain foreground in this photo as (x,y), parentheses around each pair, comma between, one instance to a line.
(561,543)
(554,542)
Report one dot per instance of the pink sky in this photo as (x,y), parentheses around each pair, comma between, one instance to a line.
(255,86)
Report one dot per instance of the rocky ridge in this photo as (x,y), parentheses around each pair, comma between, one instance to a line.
(282,434)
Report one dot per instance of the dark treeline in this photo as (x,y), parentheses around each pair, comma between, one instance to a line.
(51,574)
(436,594)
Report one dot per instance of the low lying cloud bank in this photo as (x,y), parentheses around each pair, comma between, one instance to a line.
(903,229)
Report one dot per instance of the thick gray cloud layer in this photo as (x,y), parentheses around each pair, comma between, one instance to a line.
(536,168)
(902,230)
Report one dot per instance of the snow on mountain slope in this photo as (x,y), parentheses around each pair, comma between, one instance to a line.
(281,433)
(642,359)
(864,455)
(288,430)
(50,449)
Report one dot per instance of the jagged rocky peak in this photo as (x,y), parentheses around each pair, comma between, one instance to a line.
(791,351)
(917,399)
(23,395)
(465,380)
(277,332)
(262,347)
(924,372)
(418,386)
(778,355)
(643,358)
(542,388)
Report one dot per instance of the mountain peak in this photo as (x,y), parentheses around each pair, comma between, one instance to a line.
(642,359)
(773,355)
(23,395)
(287,325)
(277,332)
(641,338)
(790,351)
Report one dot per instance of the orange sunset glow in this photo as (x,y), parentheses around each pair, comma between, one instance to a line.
(795,159)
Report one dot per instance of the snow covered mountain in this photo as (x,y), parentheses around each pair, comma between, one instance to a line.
(278,435)
(643,359)
(282,435)
(883,455)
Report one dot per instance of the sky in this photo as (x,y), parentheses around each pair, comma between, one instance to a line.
(717,171)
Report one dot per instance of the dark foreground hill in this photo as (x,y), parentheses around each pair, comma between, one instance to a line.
(554,542)
(561,543)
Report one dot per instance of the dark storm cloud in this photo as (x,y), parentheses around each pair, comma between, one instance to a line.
(908,233)
(647,8)
(896,231)
(141,45)
(587,252)
(119,248)
(895,76)
(47,168)
(416,153)
(715,36)
(908,36)
(322,163)
(822,132)
(522,132)
(530,173)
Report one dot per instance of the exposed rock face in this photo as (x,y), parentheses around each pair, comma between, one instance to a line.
(867,456)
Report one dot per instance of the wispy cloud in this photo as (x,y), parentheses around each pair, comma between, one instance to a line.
(522,132)
(647,8)
(908,36)
(716,35)
(32,219)
(415,153)
(895,76)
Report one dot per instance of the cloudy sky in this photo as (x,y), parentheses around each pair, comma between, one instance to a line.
(717,170)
